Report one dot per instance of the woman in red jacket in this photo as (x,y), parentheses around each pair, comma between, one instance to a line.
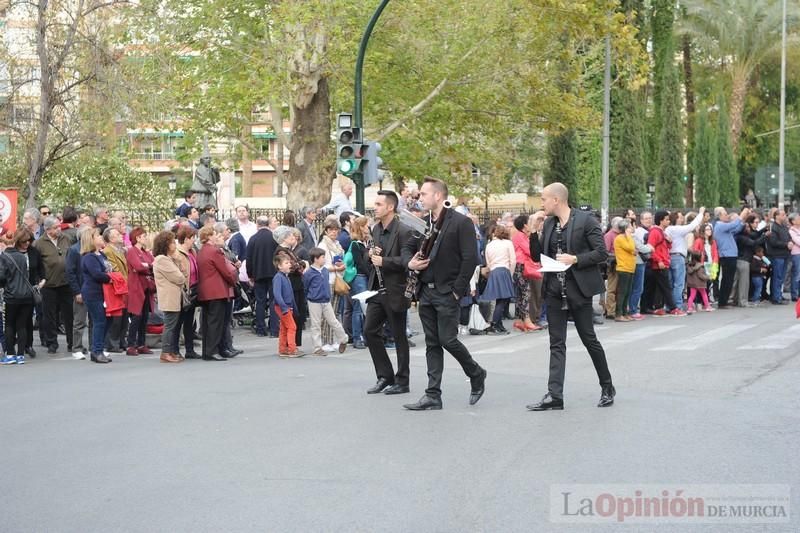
(141,287)
(214,289)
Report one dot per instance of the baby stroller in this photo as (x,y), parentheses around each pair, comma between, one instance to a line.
(244,306)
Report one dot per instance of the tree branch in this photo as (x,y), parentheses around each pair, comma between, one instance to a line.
(413,112)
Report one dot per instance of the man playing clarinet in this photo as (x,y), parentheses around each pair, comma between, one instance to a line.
(444,276)
(388,277)
(574,238)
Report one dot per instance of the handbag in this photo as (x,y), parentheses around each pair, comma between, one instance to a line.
(350,271)
(37,294)
(186,297)
(476,320)
(530,270)
(340,286)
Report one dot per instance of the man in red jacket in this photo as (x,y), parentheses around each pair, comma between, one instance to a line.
(659,263)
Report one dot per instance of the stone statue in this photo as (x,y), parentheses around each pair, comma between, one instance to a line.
(205,182)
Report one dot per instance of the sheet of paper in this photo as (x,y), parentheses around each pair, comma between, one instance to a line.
(551,265)
(362,298)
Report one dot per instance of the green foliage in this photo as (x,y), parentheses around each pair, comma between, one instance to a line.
(628,176)
(562,160)
(706,166)
(102,179)
(729,192)
(669,183)
(589,168)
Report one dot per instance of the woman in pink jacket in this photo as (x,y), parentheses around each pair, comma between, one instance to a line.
(527,278)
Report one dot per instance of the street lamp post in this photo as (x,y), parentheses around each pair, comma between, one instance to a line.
(173,184)
(782,148)
(606,134)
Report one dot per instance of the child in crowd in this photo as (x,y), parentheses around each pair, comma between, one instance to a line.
(318,293)
(759,270)
(697,280)
(284,306)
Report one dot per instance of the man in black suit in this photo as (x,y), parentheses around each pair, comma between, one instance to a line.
(443,279)
(574,238)
(261,270)
(389,237)
(307,229)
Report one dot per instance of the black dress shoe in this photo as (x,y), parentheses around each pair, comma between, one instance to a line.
(478,387)
(379,386)
(426,403)
(548,403)
(52,349)
(397,389)
(213,358)
(228,354)
(193,355)
(607,396)
(31,352)
(236,351)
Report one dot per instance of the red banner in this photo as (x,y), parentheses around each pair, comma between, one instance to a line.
(8,212)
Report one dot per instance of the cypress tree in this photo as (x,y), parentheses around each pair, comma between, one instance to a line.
(669,183)
(628,173)
(562,161)
(705,163)
(729,192)
(590,154)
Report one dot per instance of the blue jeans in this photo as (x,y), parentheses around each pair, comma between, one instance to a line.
(677,270)
(756,286)
(778,273)
(97,314)
(795,276)
(637,289)
(359,284)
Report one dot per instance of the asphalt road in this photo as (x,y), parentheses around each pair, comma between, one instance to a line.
(265,444)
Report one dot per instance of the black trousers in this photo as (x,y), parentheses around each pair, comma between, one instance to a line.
(660,288)
(137,330)
(19,327)
(727,266)
(439,314)
(213,325)
(56,303)
(116,332)
(581,309)
(379,312)
(186,323)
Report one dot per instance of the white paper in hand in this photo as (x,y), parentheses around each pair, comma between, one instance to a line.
(362,298)
(551,265)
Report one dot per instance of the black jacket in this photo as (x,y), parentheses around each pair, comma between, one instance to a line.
(778,241)
(73,269)
(310,239)
(260,253)
(394,269)
(453,258)
(747,243)
(12,278)
(584,239)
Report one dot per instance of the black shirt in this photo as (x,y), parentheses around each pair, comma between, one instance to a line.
(552,285)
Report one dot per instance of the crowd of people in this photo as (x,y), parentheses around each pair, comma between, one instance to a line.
(129,291)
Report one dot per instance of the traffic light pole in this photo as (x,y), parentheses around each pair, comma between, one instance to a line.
(358,176)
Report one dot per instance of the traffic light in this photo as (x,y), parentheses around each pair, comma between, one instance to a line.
(348,141)
(371,162)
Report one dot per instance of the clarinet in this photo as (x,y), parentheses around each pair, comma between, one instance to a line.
(425,249)
(562,276)
(378,273)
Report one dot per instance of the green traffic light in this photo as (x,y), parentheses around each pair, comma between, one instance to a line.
(347,166)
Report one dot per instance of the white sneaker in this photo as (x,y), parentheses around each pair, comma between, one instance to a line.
(78,356)
(328,348)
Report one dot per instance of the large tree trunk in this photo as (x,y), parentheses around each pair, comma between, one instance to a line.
(738,94)
(311,162)
(37,155)
(688,84)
